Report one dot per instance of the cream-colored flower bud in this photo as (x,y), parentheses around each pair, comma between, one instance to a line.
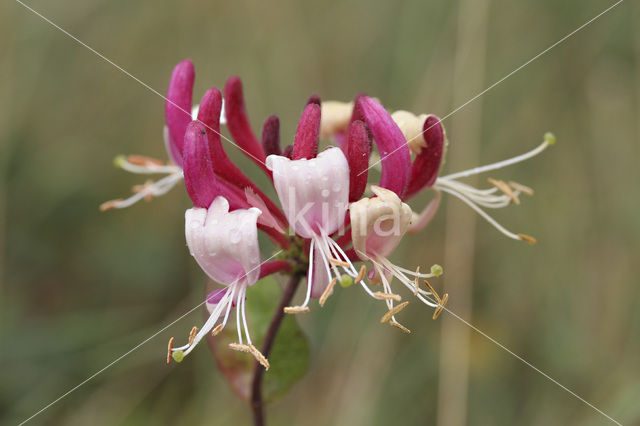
(411,127)
(335,117)
(378,224)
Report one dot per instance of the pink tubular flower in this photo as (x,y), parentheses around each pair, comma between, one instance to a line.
(225,245)
(314,195)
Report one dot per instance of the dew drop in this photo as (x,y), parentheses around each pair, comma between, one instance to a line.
(325,193)
(234,236)
(336,187)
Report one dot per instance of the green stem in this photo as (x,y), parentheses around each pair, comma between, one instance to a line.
(257,403)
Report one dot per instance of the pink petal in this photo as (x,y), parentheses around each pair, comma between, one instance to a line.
(199,176)
(426,165)
(178,107)
(392,146)
(314,193)
(357,148)
(238,122)
(305,144)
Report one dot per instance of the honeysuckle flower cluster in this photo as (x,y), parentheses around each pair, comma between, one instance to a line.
(328,218)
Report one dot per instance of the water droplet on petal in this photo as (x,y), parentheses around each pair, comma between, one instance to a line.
(336,187)
(325,193)
(234,236)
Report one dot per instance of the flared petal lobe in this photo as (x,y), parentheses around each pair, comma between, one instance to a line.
(178,107)
(392,146)
(238,121)
(425,167)
(314,193)
(378,224)
(225,244)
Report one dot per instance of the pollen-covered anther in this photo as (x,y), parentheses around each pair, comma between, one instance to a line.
(146,188)
(416,285)
(527,238)
(192,335)
(505,188)
(111,204)
(296,309)
(239,347)
(169,350)
(387,296)
(393,311)
(141,160)
(441,301)
(441,306)
(259,357)
(337,262)
(327,292)
(400,326)
(218,328)
(520,187)
(361,274)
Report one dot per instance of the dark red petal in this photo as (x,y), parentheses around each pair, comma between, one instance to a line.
(426,165)
(358,148)
(199,178)
(273,266)
(314,99)
(288,151)
(238,122)
(178,107)
(392,146)
(209,114)
(271,136)
(305,144)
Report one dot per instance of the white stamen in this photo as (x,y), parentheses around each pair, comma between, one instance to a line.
(244,317)
(238,324)
(500,164)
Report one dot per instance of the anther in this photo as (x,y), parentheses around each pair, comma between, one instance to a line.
(506,189)
(338,262)
(393,311)
(169,348)
(433,292)
(361,274)
(295,310)
(192,335)
(259,357)
(416,286)
(441,305)
(240,348)
(520,187)
(141,160)
(217,329)
(400,326)
(527,238)
(327,292)
(108,205)
(387,296)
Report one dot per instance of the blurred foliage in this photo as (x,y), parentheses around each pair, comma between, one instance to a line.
(79,288)
(289,359)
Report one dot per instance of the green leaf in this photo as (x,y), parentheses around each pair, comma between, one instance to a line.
(289,356)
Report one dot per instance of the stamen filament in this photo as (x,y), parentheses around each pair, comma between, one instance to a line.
(501,164)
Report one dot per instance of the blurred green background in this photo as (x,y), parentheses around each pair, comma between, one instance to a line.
(80,288)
